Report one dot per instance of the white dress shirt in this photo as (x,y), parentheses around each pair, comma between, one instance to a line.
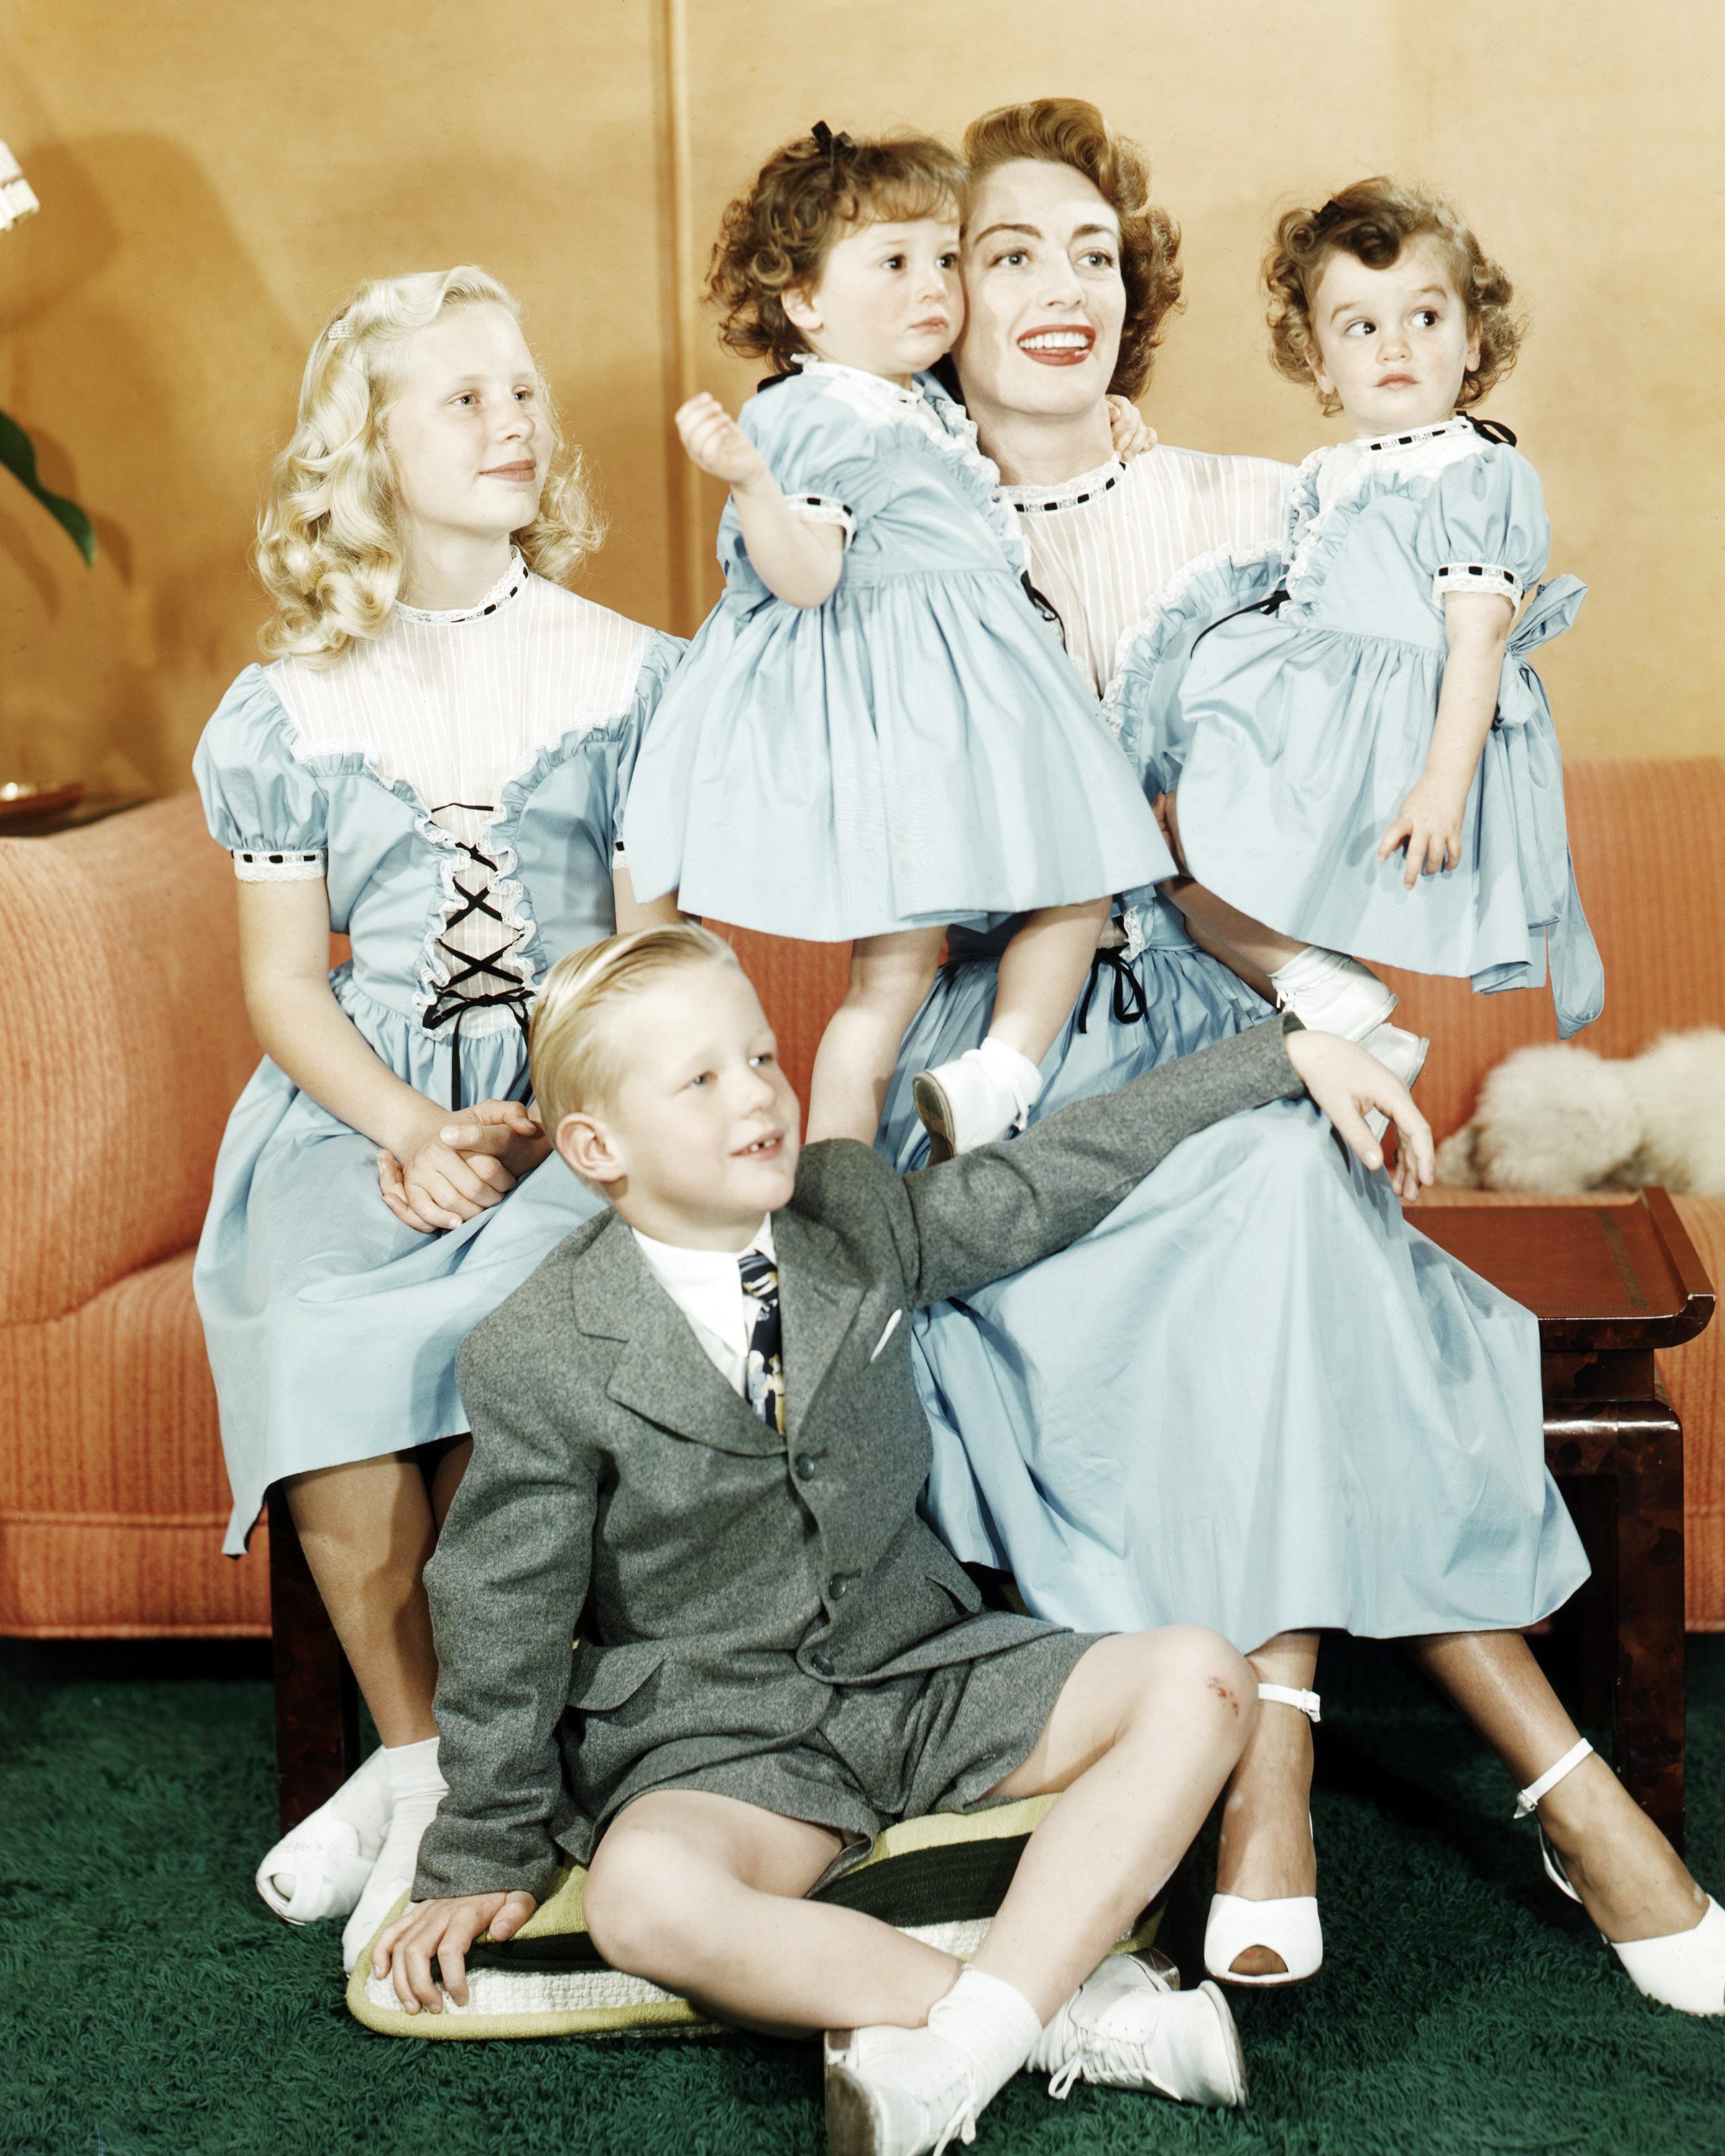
(706,1285)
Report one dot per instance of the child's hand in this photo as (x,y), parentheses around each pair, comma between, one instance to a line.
(717,443)
(498,1141)
(1430,827)
(1344,1082)
(430,1185)
(1126,424)
(444,1931)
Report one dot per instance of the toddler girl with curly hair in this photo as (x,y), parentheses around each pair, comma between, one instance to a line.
(874,736)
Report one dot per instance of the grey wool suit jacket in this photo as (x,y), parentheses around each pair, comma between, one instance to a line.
(723,1579)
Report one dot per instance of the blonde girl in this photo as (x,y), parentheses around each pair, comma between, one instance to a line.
(432,764)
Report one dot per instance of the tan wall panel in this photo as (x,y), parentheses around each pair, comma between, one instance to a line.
(213,178)
(1583,139)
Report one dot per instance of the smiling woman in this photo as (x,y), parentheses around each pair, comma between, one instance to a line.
(435,766)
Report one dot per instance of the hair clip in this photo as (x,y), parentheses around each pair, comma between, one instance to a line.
(1330,214)
(341,329)
(831,146)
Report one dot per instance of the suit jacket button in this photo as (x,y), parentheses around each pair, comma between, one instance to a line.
(820,1665)
(841,1586)
(804,1466)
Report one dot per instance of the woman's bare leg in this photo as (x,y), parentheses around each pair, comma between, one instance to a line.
(703,1894)
(1267,1852)
(1042,970)
(889,976)
(1144,1733)
(1631,1881)
(366,1529)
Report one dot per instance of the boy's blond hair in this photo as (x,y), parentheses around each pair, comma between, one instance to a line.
(570,1049)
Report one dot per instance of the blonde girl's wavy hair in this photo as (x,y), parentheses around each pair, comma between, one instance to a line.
(328,551)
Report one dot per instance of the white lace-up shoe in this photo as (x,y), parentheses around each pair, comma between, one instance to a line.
(1125,2028)
(897,2093)
(1332,994)
(969,1102)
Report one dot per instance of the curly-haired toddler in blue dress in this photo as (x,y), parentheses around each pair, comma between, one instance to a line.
(874,737)
(1361,757)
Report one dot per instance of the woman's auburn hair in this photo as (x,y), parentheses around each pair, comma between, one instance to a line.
(776,237)
(1374,220)
(328,551)
(1067,131)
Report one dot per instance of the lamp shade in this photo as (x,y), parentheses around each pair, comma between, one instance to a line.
(17,198)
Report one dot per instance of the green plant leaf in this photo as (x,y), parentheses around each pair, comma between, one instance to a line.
(17,452)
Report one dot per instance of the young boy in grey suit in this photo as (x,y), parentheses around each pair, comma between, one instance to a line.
(698,1444)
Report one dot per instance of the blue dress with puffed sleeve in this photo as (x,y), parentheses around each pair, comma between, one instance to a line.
(915,752)
(331,1327)
(1293,724)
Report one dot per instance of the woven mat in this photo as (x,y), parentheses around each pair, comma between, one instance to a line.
(939,1879)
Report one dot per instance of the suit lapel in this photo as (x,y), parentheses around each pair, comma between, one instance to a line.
(819,1297)
(663,1372)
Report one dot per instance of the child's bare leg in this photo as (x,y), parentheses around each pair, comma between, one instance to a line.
(1267,1852)
(366,1529)
(1220,928)
(989,1090)
(703,1894)
(1042,970)
(1144,1733)
(1631,1881)
(889,976)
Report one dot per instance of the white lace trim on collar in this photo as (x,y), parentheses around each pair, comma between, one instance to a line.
(512,581)
(1048,500)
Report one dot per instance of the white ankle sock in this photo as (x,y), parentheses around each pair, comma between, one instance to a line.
(418,1789)
(1304,969)
(1016,1072)
(993,2024)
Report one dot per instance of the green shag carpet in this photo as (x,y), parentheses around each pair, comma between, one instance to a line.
(152,2004)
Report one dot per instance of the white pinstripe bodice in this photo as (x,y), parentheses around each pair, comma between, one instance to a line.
(1104,544)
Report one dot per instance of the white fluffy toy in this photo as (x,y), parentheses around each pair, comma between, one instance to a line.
(1561,1118)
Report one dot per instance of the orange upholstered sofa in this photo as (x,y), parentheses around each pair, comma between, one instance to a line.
(124,1042)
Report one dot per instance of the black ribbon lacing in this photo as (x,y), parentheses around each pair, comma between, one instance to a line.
(1128,1003)
(451,1000)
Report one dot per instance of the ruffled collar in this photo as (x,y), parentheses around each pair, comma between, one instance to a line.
(1048,500)
(508,586)
(891,393)
(1389,444)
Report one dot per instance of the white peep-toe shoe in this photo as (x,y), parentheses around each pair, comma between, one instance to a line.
(320,1869)
(1287,1928)
(1683,1970)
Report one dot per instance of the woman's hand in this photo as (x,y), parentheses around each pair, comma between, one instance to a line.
(1126,425)
(715,442)
(1345,1082)
(444,1931)
(1430,827)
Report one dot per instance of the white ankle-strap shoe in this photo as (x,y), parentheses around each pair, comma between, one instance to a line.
(1288,1927)
(321,1867)
(1129,2027)
(896,2092)
(1683,1970)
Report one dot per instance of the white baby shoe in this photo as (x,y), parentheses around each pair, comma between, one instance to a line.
(1126,2027)
(1332,994)
(897,2093)
(983,1094)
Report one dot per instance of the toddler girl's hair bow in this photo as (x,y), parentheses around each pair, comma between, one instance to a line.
(831,146)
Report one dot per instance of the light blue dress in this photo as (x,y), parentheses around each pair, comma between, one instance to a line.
(331,1328)
(917,751)
(1255,1398)
(1293,730)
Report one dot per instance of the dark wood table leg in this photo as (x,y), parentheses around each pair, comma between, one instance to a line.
(317,1700)
(1649,1614)
(1633,1448)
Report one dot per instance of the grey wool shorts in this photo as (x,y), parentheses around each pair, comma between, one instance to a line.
(901,1749)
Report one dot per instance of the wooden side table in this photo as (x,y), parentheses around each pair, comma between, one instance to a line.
(1609,1284)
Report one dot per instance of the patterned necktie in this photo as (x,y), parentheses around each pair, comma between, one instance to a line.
(764,1375)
